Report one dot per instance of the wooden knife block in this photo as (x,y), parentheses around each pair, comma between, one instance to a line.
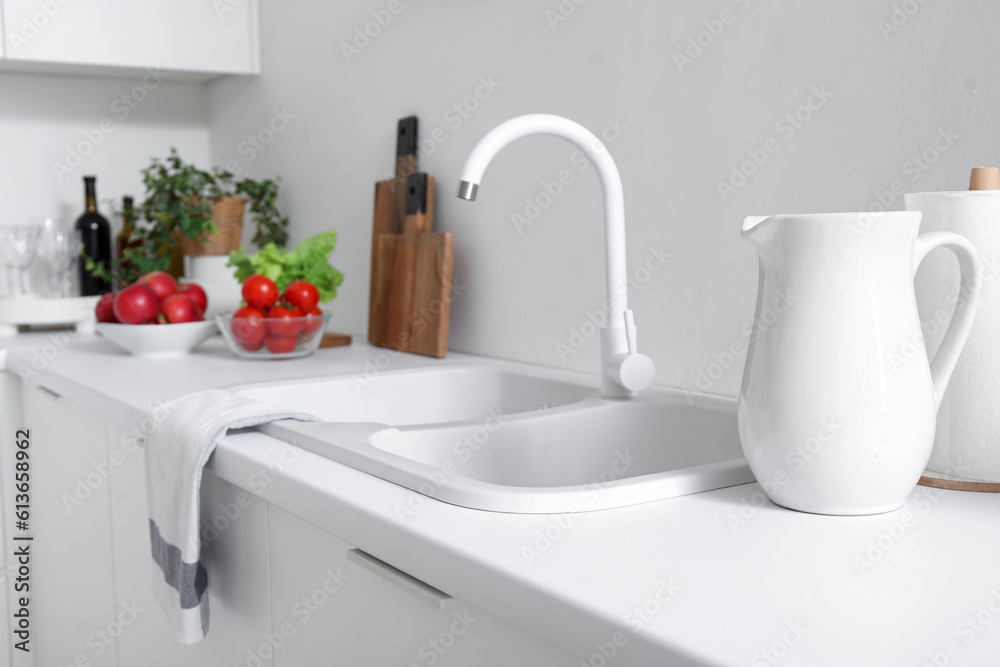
(411,279)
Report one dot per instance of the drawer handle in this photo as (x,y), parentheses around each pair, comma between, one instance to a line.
(48,391)
(410,584)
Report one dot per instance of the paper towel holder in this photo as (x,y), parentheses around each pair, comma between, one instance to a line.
(981,178)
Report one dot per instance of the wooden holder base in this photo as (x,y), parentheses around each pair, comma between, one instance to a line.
(959,485)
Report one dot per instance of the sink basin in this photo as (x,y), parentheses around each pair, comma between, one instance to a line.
(599,442)
(421,396)
(494,439)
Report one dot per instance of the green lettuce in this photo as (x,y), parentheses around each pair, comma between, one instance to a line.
(308,261)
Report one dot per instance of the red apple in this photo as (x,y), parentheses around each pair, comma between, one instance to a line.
(136,304)
(161,282)
(180,308)
(280,344)
(196,293)
(104,310)
(282,322)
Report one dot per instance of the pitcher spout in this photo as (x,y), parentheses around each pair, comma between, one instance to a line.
(757,231)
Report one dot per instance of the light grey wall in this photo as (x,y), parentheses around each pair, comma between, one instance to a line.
(56,129)
(890,85)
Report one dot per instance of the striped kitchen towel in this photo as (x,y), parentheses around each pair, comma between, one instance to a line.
(176,453)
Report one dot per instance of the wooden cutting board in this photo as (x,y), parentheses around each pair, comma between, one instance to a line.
(390,202)
(412,285)
(334,340)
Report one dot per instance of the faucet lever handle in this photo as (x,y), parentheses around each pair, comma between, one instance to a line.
(628,373)
(626,370)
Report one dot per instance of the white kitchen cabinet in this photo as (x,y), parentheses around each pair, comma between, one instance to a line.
(330,611)
(72,583)
(283,592)
(236,559)
(92,572)
(178,38)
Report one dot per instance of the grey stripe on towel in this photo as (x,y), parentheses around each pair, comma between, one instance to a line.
(190,579)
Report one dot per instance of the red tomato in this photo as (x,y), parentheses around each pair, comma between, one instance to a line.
(280,344)
(313,324)
(282,322)
(136,304)
(260,292)
(251,346)
(302,294)
(248,328)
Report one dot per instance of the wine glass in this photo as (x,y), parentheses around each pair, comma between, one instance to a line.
(19,243)
(59,247)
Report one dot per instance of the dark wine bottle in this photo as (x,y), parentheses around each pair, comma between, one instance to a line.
(95,234)
(123,240)
(126,270)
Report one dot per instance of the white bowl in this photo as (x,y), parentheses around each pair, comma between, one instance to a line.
(146,340)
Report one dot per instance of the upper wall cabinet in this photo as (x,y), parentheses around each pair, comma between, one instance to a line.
(188,38)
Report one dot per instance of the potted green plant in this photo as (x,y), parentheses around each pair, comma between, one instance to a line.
(180,213)
(195,212)
(191,205)
(205,208)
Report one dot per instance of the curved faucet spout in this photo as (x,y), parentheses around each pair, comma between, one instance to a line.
(625,371)
(607,171)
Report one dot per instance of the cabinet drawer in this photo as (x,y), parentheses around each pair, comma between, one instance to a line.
(334,605)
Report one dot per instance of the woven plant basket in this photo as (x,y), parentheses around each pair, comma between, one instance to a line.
(227,214)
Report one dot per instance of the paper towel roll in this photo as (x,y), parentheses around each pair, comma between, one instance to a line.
(967,443)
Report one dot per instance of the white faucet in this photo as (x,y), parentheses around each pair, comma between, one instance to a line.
(624,370)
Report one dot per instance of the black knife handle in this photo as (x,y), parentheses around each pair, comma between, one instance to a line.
(416,193)
(406,136)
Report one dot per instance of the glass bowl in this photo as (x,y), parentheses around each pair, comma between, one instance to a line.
(284,338)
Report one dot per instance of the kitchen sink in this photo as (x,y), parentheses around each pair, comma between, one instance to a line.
(494,439)
(452,393)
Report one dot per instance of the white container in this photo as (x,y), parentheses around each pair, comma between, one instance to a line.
(838,402)
(208,267)
(218,281)
(967,443)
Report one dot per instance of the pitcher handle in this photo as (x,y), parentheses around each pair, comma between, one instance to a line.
(943,363)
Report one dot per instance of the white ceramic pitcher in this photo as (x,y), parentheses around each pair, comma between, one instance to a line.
(838,402)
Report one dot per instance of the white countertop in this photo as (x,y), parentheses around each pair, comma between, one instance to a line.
(717,578)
